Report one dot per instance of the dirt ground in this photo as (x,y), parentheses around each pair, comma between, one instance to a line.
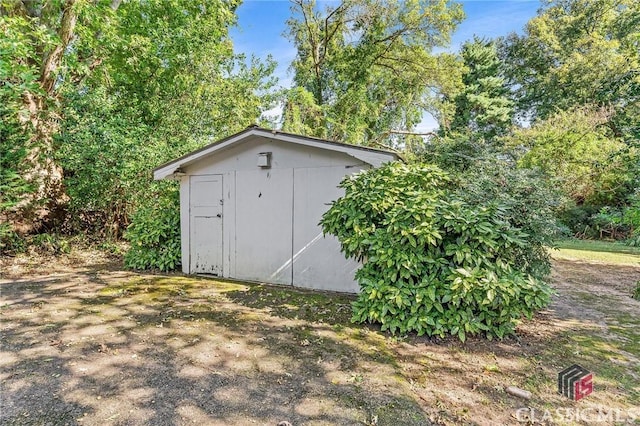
(85,342)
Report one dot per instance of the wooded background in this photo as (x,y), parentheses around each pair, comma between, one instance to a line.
(95,94)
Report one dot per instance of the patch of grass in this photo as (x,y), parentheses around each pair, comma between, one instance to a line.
(624,327)
(294,303)
(610,365)
(601,251)
(627,329)
(401,411)
(157,287)
(375,344)
(614,372)
(597,245)
(609,348)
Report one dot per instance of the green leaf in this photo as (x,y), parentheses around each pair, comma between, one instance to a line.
(431,292)
(463,271)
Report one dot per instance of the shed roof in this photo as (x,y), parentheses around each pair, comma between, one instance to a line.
(372,156)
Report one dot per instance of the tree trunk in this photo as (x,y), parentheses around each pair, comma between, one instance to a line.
(44,206)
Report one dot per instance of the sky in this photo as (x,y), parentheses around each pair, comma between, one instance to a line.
(262,25)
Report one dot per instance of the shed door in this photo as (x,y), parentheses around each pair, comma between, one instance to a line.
(317,260)
(205,221)
(264,206)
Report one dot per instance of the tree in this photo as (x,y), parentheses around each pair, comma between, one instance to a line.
(575,76)
(578,151)
(170,84)
(364,70)
(579,52)
(42,50)
(483,108)
(104,91)
(13,135)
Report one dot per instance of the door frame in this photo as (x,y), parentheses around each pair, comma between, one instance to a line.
(222,219)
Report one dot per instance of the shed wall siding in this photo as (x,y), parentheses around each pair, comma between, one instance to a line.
(271,216)
(317,260)
(244,156)
(185,211)
(264,206)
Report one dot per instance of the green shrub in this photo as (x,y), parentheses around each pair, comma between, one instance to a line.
(608,222)
(112,248)
(154,234)
(636,291)
(634,239)
(631,218)
(105,165)
(13,186)
(433,263)
(49,244)
(10,241)
(531,205)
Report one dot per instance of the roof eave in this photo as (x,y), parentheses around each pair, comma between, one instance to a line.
(370,156)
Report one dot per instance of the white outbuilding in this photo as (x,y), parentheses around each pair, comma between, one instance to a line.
(250,207)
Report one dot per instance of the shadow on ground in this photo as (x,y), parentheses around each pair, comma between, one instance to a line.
(97,346)
(92,348)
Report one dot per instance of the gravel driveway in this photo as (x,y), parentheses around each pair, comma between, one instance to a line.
(101,346)
(85,342)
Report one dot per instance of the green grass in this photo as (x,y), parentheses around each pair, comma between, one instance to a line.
(600,251)
(598,245)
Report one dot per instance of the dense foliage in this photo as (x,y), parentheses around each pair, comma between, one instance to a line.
(482,172)
(575,53)
(594,169)
(15,79)
(576,149)
(365,71)
(155,234)
(630,218)
(44,46)
(178,94)
(575,74)
(572,79)
(483,107)
(636,291)
(95,95)
(531,205)
(435,262)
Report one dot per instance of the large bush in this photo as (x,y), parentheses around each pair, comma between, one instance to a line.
(433,262)
(530,204)
(154,233)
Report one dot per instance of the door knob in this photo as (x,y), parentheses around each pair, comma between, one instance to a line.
(219,215)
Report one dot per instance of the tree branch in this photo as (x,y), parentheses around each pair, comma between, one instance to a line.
(53,59)
(387,147)
(315,51)
(327,36)
(406,132)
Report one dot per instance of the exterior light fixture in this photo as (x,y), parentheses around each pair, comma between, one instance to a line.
(264,160)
